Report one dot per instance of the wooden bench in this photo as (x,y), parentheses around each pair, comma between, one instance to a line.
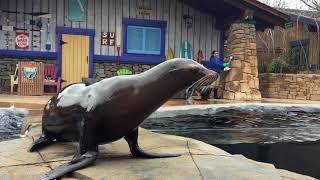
(51,77)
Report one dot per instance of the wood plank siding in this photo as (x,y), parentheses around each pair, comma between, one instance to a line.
(106,15)
(271,43)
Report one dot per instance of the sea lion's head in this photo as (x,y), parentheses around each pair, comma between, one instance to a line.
(191,72)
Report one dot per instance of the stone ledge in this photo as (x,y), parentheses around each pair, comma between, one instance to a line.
(198,161)
(300,86)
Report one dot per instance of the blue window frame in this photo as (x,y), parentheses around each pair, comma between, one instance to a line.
(144,38)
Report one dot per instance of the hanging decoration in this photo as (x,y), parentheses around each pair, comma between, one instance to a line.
(76,10)
(199,56)
(22,40)
(186,50)
(48,42)
(170,54)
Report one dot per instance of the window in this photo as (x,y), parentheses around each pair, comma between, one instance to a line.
(144,38)
(299,52)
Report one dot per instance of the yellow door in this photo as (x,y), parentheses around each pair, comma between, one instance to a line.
(75,62)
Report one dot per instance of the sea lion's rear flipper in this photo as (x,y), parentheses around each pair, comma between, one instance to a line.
(136,151)
(85,155)
(84,160)
(40,143)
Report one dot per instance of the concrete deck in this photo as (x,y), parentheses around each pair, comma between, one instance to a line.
(198,160)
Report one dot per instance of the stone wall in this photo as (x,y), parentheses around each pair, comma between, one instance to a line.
(106,70)
(7,68)
(242,82)
(101,70)
(290,86)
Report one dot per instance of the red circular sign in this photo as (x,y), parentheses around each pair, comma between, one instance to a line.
(22,40)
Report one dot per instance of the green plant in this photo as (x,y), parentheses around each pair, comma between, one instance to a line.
(277,66)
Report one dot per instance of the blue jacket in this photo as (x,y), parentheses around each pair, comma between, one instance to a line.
(216,64)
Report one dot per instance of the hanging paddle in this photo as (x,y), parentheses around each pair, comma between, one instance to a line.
(48,42)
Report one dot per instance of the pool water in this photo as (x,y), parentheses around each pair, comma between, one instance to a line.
(11,120)
(289,139)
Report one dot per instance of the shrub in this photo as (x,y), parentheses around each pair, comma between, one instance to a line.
(277,66)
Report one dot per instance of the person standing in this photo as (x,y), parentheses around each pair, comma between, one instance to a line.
(218,64)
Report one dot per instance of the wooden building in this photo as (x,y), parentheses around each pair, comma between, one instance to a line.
(85,38)
(297,43)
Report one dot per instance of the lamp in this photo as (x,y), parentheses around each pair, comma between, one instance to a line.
(188,20)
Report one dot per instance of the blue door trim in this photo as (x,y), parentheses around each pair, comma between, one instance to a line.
(28,54)
(75,31)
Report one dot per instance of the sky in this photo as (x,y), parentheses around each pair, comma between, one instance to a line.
(292,4)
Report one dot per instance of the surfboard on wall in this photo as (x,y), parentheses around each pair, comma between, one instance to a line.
(186,50)
(199,56)
(170,54)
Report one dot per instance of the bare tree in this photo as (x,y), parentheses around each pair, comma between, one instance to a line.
(312,4)
(275,3)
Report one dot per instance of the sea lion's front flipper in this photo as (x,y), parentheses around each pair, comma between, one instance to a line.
(41,142)
(86,154)
(136,151)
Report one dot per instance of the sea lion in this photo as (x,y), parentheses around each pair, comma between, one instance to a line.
(113,108)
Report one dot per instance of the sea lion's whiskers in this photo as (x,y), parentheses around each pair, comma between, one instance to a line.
(205,82)
(200,81)
(197,84)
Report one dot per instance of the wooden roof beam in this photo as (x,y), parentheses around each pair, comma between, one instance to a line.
(260,10)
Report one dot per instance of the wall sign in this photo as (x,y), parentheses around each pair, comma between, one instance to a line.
(22,40)
(288,25)
(108,38)
(7,28)
(144,11)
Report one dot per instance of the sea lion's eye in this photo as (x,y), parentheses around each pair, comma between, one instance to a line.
(195,70)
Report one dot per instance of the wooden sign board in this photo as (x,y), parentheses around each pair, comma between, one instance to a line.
(288,25)
(108,38)
(30,78)
(22,40)
(143,11)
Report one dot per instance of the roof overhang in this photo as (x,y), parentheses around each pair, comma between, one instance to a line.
(230,11)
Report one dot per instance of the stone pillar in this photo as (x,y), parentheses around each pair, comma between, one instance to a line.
(242,82)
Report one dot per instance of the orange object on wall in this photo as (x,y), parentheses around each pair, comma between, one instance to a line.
(199,56)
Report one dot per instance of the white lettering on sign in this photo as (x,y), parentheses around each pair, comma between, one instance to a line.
(22,40)
(7,28)
(108,38)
